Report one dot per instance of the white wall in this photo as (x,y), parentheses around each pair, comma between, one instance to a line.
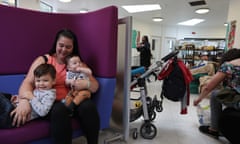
(180,32)
(29,4)
(201,32)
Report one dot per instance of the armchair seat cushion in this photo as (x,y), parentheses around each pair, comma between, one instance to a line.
(36,129)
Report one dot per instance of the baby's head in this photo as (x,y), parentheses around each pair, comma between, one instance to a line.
(73,62)
(44,76)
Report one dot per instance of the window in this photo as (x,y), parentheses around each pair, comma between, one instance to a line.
(45,7)
(9,2)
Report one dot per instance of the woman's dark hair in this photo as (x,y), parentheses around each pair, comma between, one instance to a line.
(69,34)
(146,38)
(231,54)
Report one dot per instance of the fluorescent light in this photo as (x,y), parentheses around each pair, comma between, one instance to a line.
(141,8)
(83,11)
(65,1)
(202,10)
(157,19)
(191,22)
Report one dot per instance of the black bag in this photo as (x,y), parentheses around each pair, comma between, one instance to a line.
(174,87)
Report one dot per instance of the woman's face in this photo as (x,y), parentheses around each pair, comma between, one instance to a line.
(64,47)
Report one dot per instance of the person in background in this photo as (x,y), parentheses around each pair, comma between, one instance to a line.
(60,123)
(75,70)
(204,70)
(145,52)
(42,99)
(228,75)
(203,59)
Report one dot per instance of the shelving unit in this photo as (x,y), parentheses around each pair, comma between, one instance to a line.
(190,49)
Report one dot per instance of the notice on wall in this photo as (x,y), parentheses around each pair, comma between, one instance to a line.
(231,34)
(135,38)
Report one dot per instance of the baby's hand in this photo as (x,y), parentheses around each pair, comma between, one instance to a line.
(69,82)
(14,99)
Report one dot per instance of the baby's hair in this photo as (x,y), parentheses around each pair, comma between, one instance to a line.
(71,56)
(44,69)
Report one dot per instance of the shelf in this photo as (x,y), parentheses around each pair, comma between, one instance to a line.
(191,49)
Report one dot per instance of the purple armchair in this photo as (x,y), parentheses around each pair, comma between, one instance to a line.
(26,34)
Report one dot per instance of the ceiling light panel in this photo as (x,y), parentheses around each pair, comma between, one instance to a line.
(83,10)
(191,22)
(202,10)
(157,19)
(141,8)
(65,1)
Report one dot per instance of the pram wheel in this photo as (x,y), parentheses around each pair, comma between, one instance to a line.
(148,130)
(152,115)
(135,134)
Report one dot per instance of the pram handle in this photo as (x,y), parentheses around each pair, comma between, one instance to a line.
(170,55)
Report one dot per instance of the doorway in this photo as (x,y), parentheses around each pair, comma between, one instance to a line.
(156,48)
(168,46)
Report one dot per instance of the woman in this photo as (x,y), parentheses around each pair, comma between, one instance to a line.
(65,44)
(145,52)
(228,75)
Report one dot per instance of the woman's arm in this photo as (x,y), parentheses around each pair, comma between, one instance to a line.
(216,80)
(21,113)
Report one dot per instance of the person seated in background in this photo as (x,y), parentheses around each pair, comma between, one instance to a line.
(204,70)
(203,59)
(229,75)
(207,65)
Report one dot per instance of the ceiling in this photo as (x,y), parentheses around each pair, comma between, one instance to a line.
(173,11)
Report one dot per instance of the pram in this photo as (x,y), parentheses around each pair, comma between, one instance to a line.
(144,105)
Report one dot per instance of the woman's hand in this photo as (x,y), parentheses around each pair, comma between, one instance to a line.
(68,100)
(197,101)
(79,96)
(21,114)
(91,84)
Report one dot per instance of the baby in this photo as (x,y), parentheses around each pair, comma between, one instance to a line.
(75,70)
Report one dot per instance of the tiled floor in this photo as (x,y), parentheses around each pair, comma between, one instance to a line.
(172,127)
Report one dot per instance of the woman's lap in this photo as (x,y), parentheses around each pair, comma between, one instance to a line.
(229,124)
(87,115)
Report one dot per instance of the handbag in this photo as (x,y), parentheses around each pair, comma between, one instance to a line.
(229,97)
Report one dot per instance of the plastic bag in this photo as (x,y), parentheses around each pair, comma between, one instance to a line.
(203,113)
